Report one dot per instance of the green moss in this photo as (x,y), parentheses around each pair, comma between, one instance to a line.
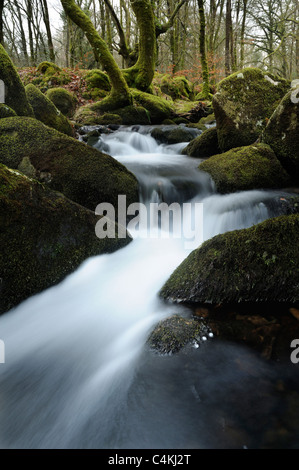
(48,68)
(64,100)
(15,96)
(80,172)
(282,133)
(46,112)
(6,111)
(243,103)
(158,108)
(98,79)
(84,116)
(177,87)
(258,264)
(246,168)
(204,146)
(45,237)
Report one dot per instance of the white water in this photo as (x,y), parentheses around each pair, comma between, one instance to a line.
(73,351)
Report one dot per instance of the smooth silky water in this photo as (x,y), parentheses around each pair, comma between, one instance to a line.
(78,372)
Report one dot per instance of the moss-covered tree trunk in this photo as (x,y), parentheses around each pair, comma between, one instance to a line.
(120,95)
(203,56)
(142,73)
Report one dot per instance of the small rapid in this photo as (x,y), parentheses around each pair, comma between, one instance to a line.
(77,374)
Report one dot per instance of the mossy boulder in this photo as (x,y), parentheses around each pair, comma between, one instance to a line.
(243,103)
(64,100)
(80,172)
(282,132)
(174,333)
(46,112)
(15,96)
(85,116)
(177,87)
(158,108)
(48,68)
(44,237)
(245,168)
(258,264)
(174,135)
(6,111)
(204,146)
(97,79)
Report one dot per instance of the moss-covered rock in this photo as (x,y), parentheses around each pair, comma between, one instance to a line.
(46,112)
(177,87)
(97,79)
(172,334)
(158,108)
(245,168)
(6,111)
(173,135)
(243,103)
(80,172)
(48,68)
(204,146)
(282,132)
(15,96)
(85,116)
(44,237)
(64,100)
(258,264)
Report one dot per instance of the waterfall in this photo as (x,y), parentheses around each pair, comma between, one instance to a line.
(74,352)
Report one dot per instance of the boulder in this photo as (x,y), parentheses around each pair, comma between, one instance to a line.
(80,172)
(158,108)
(46,112)
(177,87)
(204,146)
(97,79)
(258,264)
(245,168)
(44,237)
(6,111)
(48,68)
(282,132)
(64,100)
(15,96)
(173,135)
(173,333)
(243,103)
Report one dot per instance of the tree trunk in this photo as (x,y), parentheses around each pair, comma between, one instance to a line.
(203,56)
(1,22)
(120,95)
(46,19)
(228,37)
(142,73)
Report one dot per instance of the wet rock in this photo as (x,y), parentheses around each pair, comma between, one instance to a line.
(246,168)
(258,264)
(44,237)
(204,146)
(80,172)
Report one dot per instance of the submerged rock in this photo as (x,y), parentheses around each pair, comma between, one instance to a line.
(172,334)
(245,168)
(258,264)
(44,237)
(243,103)
(204,146)
(282,132)
(173,135)
(46,112)
(80,172)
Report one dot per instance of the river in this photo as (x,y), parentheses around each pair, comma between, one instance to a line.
(78,372)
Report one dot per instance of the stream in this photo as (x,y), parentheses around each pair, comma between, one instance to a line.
(78,372)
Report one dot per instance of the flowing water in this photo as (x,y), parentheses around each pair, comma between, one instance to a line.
(77,371)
